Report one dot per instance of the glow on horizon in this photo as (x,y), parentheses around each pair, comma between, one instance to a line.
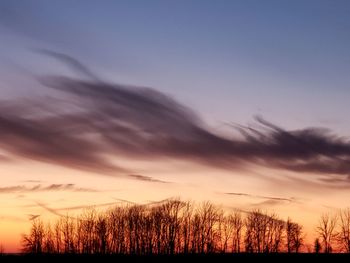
(197,185)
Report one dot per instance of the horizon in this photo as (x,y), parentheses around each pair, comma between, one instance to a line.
(243,104)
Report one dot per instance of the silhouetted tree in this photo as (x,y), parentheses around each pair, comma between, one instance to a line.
(225,230)
(208,217)
(186,227)
(33,242)
(101,235)
(326,230)
(317,246)
(48,240)
(87,222)
(58,236)
(237,227)
(172,220)
(264,232)
(117,230)
(294,237)
(344,231)
(68,233)
(174,226)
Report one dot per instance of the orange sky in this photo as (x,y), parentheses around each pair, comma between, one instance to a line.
(308,200)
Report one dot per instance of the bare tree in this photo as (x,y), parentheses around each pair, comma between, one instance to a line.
(33,242)
(237,227)
(255,224)
(264,232)
(117,230)
(208,218)
(172,220)
(58,236)
(48,240)
(67,225)
(186,226)
(294,236)
(275,230)
(87,224)
(344,231)
(317,246)
(173,227)
(225,229)
(327,232)
(101,235)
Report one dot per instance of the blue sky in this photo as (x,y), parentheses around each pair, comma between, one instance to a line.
(286,60)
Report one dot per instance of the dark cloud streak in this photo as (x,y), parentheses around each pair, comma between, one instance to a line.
(105,120)
(40,188)
(147,178)
(70,61)
(263,197)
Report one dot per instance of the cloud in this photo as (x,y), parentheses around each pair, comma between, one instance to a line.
(125,201)
(267,203)
(32,217)
(51,210)
(148,203)
(58,211)
(4,158)
(32,181)
(40,188)
(147,178)
(74,64)
(268,198)
(94,121)
(337,182)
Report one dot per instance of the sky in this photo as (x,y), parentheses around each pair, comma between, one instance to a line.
(243,103)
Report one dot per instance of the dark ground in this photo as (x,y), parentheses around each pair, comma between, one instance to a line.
(180,258)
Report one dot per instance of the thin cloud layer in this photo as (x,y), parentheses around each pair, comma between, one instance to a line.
(147,178)
(94,122)
(41,188)
(58,211)
(267,198)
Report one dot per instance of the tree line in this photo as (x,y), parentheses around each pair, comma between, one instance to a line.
(178,227)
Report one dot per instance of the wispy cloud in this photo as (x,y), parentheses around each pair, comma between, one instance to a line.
(98,119)
(262,201)
(41,188)
(62,211)
(267,203)
(32,217)
(32,181)
(147,178)
(271,198)
(148,203)
(49,209)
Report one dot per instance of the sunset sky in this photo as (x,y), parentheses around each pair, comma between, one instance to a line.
(243,103)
